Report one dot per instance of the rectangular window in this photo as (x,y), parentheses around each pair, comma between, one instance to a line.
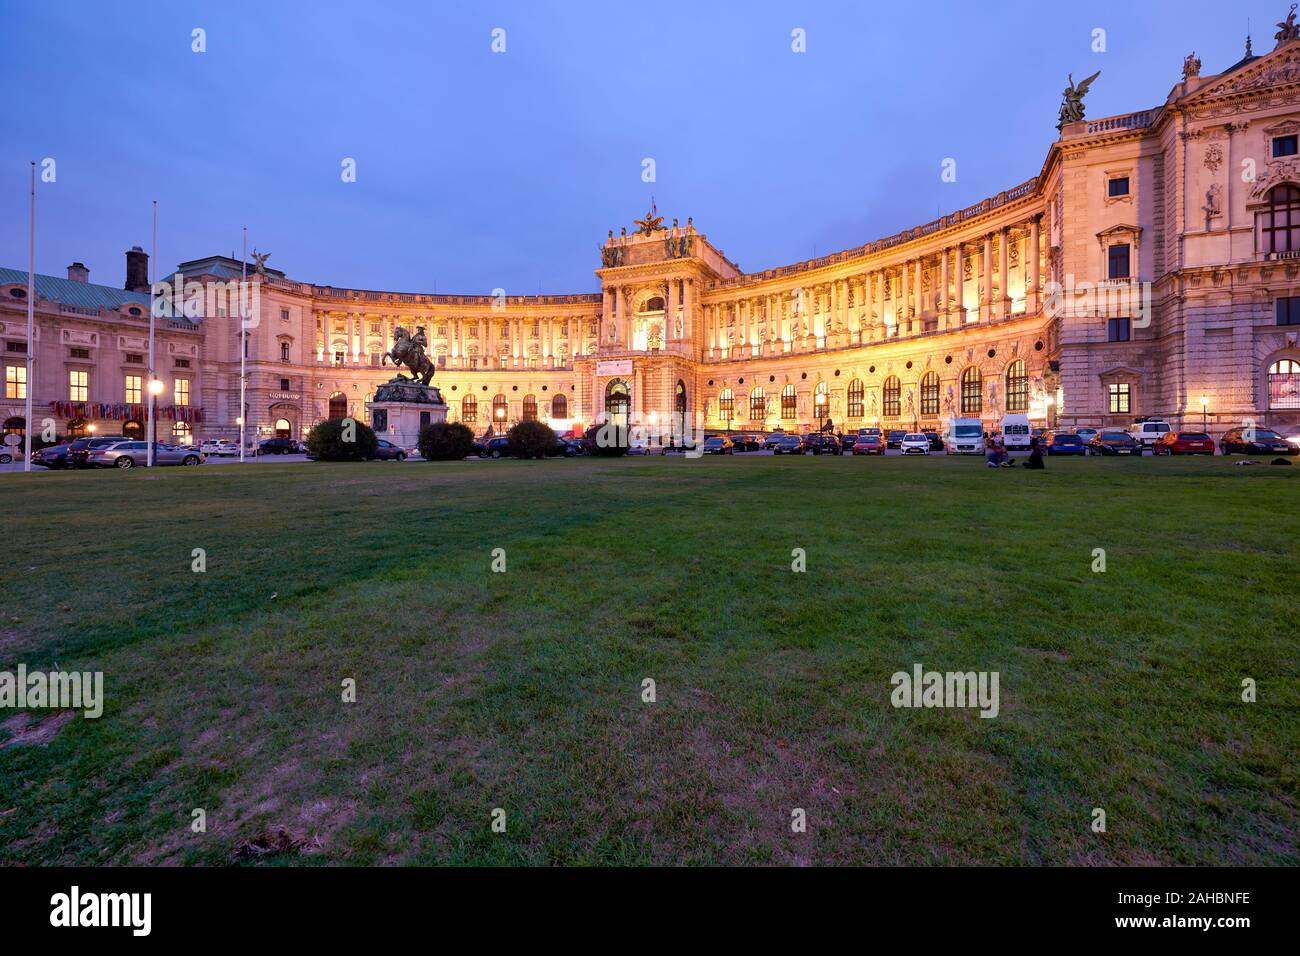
(284,315)
(20,347)
(15,381)
(134,388)
(79,353)
(284,385)
(1288,311)
(182,363)
(1119,398)
(135,358)
(338,358)
(1117,186)
(78,386)
(1117,261)
(182,386)
(1286,145)
(1118,330)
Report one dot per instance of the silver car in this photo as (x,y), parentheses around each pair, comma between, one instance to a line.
(128,454)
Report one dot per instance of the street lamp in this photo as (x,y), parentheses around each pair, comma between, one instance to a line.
(1205,405)
(155,389)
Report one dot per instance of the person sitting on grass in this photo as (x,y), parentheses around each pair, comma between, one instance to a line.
(1035,455)
(991,455)
(1004,456)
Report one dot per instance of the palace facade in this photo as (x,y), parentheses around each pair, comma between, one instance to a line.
(1151,267)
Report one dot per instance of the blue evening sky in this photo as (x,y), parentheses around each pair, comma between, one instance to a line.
(478,170)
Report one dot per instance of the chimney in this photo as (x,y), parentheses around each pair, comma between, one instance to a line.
(78,272)
(137,270)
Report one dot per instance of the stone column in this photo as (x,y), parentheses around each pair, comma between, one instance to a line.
(986,269)
(959,290)
(624,320)
(903,313)
(1004,296)
(943,288)
(919,295)
(1032,279)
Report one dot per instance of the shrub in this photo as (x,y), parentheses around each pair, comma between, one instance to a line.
(606,440)
(341,439)
(445,441)
(531,440)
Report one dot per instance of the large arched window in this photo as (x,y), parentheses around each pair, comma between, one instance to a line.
(789,403)
(821,400)
(338,405)
(890,397)
(930,393)
(530,408)
(1280,221)
(856,405)
(500,410)
(972,397)
(1284,384)
(757,405)
(618,403)
(1017,387)
(469,410)
(726,404)
(560,407)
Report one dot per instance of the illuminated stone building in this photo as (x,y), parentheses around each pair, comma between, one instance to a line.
(1152,262)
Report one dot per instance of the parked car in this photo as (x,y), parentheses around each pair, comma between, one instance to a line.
(1263,441)
(869,445)
(79,449)
(816,443)
(914,443)
(277,446)
(747,442)
(1183,443)
(1145,431)
(936,440)
(894,437)
(871,431)
(222,447)
(1066,443)
(497,447)
(787,445)
(847,442)
(638,446)
(386,451)
(55,456)
(1115,443)
(718,445)
(1085,433)
(771,440)
(128,454)
(1016,432)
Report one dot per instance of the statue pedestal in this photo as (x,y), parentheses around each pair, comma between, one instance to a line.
(402,407)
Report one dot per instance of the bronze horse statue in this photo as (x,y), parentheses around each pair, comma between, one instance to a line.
(408,350)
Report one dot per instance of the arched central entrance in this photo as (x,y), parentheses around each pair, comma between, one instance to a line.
(680,427)
(618,403)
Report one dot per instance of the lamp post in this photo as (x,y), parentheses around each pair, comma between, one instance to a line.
(1205,406)
(155,389)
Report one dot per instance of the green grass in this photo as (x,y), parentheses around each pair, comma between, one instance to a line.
(522,690)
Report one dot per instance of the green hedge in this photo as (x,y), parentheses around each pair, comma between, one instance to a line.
(341,439)
(531,440)
(445,441)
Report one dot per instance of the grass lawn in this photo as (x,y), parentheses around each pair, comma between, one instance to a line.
(523,690)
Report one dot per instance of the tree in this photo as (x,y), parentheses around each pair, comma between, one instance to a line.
(341,439)
(531,440)
(445,441)
(606,440)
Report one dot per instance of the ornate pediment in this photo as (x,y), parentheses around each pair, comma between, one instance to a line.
(1279,68)
(1281,171)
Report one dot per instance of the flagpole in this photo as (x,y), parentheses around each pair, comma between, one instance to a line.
(31,325)
(243,339)
(150,434)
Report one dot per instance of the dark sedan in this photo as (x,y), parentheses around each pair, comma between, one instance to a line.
(56,456)
(1255,441)
(747,442)
(718,445)
(1115,443)
(818,444)
(785,445)
(277,446)
(936,440)
(894,438)
(1066,443)
(497,447)
(385,451)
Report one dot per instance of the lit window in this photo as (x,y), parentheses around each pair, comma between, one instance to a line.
(930,394)
(820,400)
(891,394)
(134,389)
(15,381)
(855,398)
(560,407)
(1017,387)
(972,391)
(530,408)
(726,404)
(181,434)
(757,405)
(1120,397)
(789,403)
(469,410)
(181,387)
(1284,384)
(78,386)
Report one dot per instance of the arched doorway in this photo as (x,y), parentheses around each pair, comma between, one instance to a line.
(283,429)
(79,426)
(132,429)
(679,423)
(15,426)
(338,405)
(618,403)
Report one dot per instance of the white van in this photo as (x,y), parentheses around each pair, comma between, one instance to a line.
(1145,431)
(964,436)
(1016,432)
